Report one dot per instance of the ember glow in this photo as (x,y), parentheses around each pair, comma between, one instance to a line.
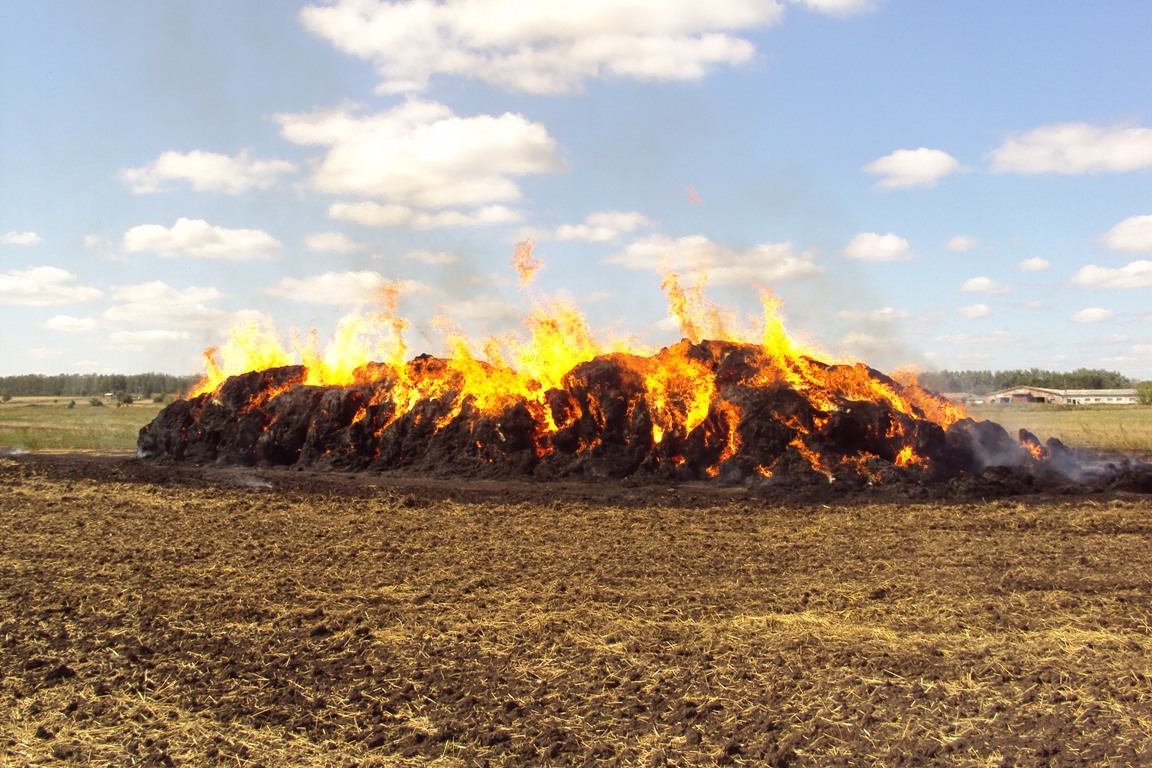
(736,396)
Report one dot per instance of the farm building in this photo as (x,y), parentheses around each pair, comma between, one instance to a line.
(1064,396)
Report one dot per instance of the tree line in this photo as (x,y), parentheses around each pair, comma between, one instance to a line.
(148,384)
(983,382)
(94,384)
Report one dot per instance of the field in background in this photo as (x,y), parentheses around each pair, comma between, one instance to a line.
(48,424)
(1120,428)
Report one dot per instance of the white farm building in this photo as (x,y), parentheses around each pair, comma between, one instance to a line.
(1064,396)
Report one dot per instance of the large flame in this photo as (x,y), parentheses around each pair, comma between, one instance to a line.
(496,373)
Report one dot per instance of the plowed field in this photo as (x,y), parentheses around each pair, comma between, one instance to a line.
(157,615)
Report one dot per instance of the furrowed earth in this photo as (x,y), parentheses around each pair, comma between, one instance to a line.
(170,614)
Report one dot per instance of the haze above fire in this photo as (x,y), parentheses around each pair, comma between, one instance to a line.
(944,186)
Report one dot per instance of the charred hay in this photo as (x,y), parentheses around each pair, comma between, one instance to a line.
(599,424)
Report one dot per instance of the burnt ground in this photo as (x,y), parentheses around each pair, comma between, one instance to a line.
(176,615)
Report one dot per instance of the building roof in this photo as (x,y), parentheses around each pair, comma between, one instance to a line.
(1065,393)
(1025,388)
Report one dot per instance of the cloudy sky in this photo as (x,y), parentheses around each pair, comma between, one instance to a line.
(958,185)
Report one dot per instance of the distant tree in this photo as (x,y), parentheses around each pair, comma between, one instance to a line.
(1095,378)
(71,403)
(159,397)
(1144,392)
(95,401)
(89,384)
(4,398)
(123,398)
(983,382)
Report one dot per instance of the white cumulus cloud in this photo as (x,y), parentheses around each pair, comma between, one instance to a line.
(602,226)
(332,242)
(1034,264)
(371,214)
(545,47)
(206,172)
(489,310)
(872,246)
(140,340)
(962,244)
(421,155)
(156,304)
(1092,315)
(1075,148)
(45,353)
(339,288)
(1134,274)
(983,285)
(69,323)
(996,337)
(921,167)
(974,310)
(839,7)
(1133,234)
(759,265)
(198,239)
(439,258)
(44,287)
(864,346)
(882,315)
(20,238)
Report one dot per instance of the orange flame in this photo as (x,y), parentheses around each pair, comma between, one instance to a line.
(729,415)
(251,346)
(499,372)
(698,317)
(908,458)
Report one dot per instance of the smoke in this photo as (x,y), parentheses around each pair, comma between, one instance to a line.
(251,481)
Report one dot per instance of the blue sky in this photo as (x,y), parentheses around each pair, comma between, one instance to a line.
(961,185)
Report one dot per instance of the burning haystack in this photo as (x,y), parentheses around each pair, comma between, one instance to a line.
(751,407)
(721,410)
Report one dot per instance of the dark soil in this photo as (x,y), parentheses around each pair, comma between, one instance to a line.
(177,615)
